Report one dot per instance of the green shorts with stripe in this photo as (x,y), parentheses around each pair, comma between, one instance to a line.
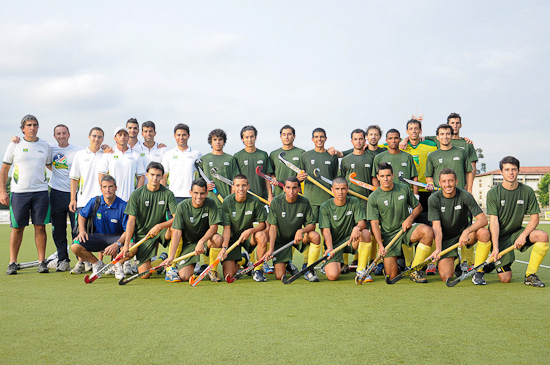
(339,256)
(507,241)
(148,249)
(190,247)
(286,255)
(405,239)
(236,255)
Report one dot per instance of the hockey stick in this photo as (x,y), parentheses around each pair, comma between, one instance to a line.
(28,265)
(298,171)
(317,173)
(268,178)
(90,279)
(245,271)
(223,179)
(124,281)
(208,181)
(203,274)
(412,182)
(361,183)
(450,283)
(286,280)
(359,279)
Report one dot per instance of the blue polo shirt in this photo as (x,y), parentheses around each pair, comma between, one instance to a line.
(109,219)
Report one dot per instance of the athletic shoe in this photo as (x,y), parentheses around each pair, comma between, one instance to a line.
(197,269)
(418,277)
(311,277)
(368,279)
(379,269)
(63,265)
(267,269)
(353,266)
(52,265)
(134,267)
(12,269)
(213,275)
(119,271)
(533,280)
(431,269)
(96,267)
(478,279)
(127,267)
(110,271)
(293,270)
(246,258)
(42,267)
(323,269)
(259,276)
(78,268)
(87,266)
(345,269)
(172,275)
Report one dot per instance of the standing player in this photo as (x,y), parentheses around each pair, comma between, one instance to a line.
(124,165)
(374,133)
(280,171)
(198,217)
(507,204)
(450,210)
(249,158)
(132,127)
(239,212)
(150,211)
(388,211)
(149,150)
(358,162)
(290,218)
(343,219)
(29,191)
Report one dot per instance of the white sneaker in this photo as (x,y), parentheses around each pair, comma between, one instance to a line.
(127,267)
(78,268)
(87,266)
(96,267)
(63,265)
(119,272)
(52,265)
(134,267)
(110,271)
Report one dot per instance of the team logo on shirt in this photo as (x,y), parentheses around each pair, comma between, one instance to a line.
(161,202)
(442,209)
(458,207)
(245,162)
(114,220)
(115,156)
(191,219)
(416,159)
(367,165)
(456,158)
(401,197)
(352,165)
(204,215)
(210,163)
(295,158)
(313,162)
(234,214)
(60,162)
(226,163)
(174,157)
(147,203)
(349,212)
(25,150)
(299,215)
(248,212)
(502,202)
(403,164)
(142,154)
(98,215)
(335,217)
(520,202)
(327,162)
(386,203)
(283,214)
(440,160)
(259,162)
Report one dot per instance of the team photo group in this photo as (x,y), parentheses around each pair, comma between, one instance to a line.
(394,205)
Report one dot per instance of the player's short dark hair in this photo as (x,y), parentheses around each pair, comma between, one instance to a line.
(317,130)
(249,128)
(393,130)
(375,126)
(286,126)
(339,180)
(508,159)
(198,182)
(240,177)
(443,126)
(108,178)
(454,115)
(156,166)
(27,118)
(96,129)
(447,171)
(179,126)
(132,121)
(292,179)
(148,124)
(60,126)
(358,130)
(220,133)
(385,166)
(414,121)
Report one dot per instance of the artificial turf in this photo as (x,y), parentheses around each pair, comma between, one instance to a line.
(57,318)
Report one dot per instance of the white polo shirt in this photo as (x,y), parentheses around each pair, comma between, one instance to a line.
(29,160)
(124,167)
(154,154)
(85,169)
(62,160)
(180,167)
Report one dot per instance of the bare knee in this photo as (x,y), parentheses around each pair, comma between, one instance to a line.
(217,241)
(483,235)
(505,277)
(40,228)
(146,276)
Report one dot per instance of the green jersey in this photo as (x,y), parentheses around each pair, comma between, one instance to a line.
(341,219)
(328,166)
(247,165)
(241,216)
(453,213)
(194,222)
(454,158)
(460,143)
(149,208)
(402,164)
(391,208)
(289,217)
(510,206)
(281,171)
(378,151)
(362,166)
(227,167)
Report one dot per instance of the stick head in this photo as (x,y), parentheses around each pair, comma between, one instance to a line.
(122,281)
(88,279)
(192,280)
(229,279)
(388,280)
(450,283)
(284,279)
(358,280)
(317,172)
(259,169)
(282,154)
(353,175)
(198,162)
(214,170)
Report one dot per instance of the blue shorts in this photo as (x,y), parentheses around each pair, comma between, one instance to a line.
(98,242)
(35,205)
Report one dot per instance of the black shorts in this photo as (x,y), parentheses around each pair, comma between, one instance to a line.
(98,242)
(35,205)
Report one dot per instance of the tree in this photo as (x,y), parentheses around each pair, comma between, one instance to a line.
(542,192)
(482,166)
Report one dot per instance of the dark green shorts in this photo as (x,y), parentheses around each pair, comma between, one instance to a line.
(286,255)
(236,254)
(187,248)
(405,239)
(148,249)
(339,256)
(507,241)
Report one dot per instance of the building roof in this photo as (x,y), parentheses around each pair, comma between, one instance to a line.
(530,170)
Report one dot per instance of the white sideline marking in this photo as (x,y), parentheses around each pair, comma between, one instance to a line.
(525,262)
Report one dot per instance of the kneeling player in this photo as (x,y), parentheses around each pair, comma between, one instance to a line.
(199,218)
(388,211)
(239,212)
(342,219)
(507,204)
(291,218)
(449,210)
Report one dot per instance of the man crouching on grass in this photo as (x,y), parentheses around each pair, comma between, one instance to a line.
(147,215)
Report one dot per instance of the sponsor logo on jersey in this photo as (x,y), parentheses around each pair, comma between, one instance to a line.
(401,197)
(349,212)
(40,151)
(327,162)
(25,150)
(60,162)
(502,202)
(259,162)
(442,209)
(440,160)
(98,215)
(115,156)
(142,154)
(204,215)
(520,202)
(248,212)
(161,202)
(456,158)
(234,214)
(299,215)
(458,207)
(226,163)
(210,163)
(386,203)
(367,165)
(335,217)
(245,162)
(295,158)
(403,164)
(147,203)
(283,214)
(352,165)
(191,219)
(416,159)
(114,220)
(175,157)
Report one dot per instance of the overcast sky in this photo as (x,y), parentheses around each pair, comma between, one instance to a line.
(339,65)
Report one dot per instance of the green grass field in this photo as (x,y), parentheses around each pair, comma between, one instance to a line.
(56,318)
